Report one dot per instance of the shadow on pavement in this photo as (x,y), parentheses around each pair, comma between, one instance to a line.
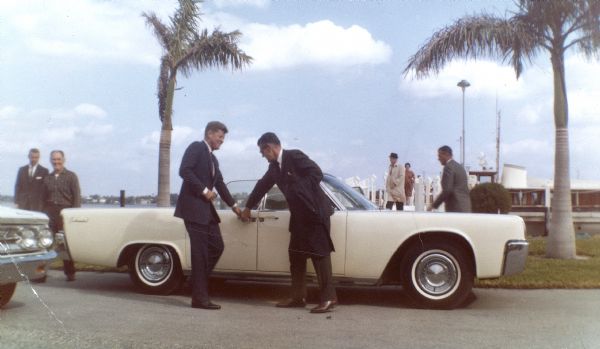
(119,285)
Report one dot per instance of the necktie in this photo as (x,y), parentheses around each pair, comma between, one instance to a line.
(278,168)
(212,166)
(30,171)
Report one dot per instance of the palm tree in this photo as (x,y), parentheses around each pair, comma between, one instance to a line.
(554,26)
(185,50)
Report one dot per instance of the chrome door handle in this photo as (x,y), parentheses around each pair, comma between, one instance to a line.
(269,217)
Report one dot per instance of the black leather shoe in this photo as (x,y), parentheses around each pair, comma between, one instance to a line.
(292,303)
(324,307)
(206,305)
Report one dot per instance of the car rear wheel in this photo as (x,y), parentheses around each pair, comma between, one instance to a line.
(437,275)
(6,293)
(156,269)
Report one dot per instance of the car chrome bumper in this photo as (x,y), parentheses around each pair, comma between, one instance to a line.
(61,247)
(31,266)
(515,256)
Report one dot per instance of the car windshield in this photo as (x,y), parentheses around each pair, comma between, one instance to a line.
(345,194)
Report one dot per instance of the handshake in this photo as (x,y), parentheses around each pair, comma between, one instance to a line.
(243,215)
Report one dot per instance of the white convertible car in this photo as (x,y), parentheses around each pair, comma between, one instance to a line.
(434,256)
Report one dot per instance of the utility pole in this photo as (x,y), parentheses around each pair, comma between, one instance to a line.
(463,84)
(498,117)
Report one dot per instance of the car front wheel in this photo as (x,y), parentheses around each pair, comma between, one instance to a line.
(6,293)
(156,269)
(437,275)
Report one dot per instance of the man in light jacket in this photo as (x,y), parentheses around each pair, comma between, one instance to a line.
(394,184)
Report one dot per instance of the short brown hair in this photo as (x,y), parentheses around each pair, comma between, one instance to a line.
(62,153)
(215,126)
(34,151)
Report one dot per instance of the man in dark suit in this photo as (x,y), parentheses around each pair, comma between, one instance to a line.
(298,178)
(455,191)
(29,187)
(201,176)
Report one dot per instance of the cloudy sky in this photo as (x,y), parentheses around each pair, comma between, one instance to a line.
(327,77)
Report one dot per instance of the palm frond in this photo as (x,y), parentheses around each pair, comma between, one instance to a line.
(589,40)
(184,24)
(218,49)
(475,37)
(160,30)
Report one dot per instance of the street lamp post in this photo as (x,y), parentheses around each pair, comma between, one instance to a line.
(463,84)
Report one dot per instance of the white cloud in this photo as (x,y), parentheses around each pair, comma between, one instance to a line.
(115,32)
(85,29)
(90,109)
(9,112)
(240,3)
(58,135)
(180,135)
(49,128)
(487,78)
(320,43)
(534,112)
(235,146)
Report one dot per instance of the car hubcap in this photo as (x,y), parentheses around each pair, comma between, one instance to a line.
(436,274)
(155,264)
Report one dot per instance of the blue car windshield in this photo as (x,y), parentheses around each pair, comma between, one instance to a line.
(348,196)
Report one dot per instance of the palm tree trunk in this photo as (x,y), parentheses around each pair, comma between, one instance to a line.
(164,168)
(561,239)
(164,150)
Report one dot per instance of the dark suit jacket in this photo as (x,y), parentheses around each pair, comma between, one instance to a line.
(299,180)
(197,174)
(455,192)
(29,192)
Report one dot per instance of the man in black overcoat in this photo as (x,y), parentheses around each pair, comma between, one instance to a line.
(298,177)
(201,177)
(29,187)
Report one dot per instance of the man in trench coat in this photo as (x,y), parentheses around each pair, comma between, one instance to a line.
(298,178)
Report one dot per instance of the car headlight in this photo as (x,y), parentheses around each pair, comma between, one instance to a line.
(45,238)
(27,239)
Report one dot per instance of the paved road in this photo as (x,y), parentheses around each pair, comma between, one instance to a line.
(101,310)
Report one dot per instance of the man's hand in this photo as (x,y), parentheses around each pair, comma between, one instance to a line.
(245,215)
(210,195)
(237,211)
(429,207)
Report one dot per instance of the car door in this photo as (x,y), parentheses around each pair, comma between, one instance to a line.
(273,233)
(274,236)
(240,238)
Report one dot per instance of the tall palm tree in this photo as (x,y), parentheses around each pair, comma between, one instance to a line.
(554,26)
(186,49)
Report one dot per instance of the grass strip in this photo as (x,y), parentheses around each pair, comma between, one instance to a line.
(542,272)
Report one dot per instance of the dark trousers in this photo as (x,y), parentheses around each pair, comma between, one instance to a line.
(399,205)
(206,245)
(56,224)
(322,266)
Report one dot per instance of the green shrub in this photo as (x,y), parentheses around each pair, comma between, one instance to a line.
(490,198)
